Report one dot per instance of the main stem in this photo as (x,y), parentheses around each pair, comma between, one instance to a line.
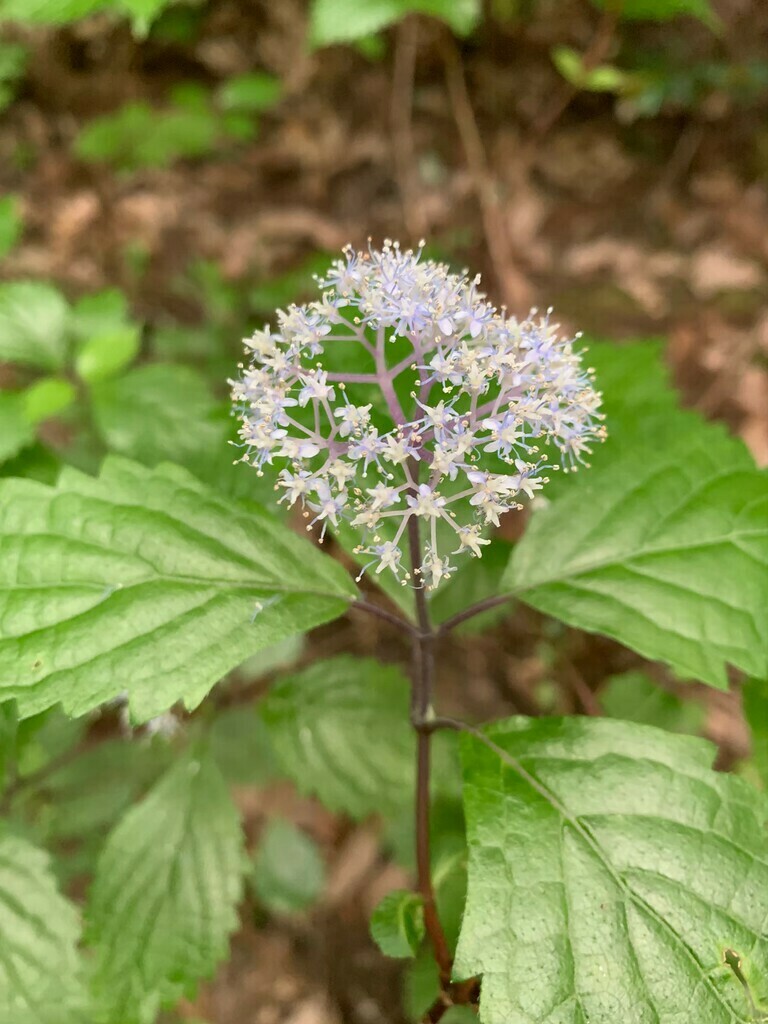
(421,701)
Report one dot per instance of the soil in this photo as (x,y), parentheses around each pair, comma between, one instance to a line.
(651,227)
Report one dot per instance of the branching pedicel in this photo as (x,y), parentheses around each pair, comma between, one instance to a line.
(444,423)
(400,397)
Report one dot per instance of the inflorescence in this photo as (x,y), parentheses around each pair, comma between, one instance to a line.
(456,411)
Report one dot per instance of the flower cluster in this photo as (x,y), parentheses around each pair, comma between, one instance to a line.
(403,396)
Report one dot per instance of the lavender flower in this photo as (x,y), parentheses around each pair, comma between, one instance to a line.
(454,409)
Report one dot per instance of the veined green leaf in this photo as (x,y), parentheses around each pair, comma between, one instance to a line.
(611,872)
(33,319)
(164,899)
(40,975)
(145,582)
(666,550)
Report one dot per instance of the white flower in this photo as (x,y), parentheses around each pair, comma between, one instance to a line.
(489,392)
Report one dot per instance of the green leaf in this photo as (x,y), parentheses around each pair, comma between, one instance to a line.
(47,398)
(39,930)
(459,1015)
(252,93)
(159,412)
(33,319)
(341,21)
(570,64)
(288,871)
(239,740)
(49,12)
(663,549)
(755,698)
(105,355)
(163,902)
(142,13)
(636,698)
(660,10)
(397,924)
(98,313)
(16,430)
(145,582)
(610,870)
(340,730)
(11,224)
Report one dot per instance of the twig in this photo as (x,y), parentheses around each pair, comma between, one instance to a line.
(513,284)
(387,616)
(469,613)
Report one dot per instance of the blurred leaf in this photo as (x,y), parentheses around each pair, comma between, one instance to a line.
(663,549)
(11,224)
(139,135)
(105,355)
(45,737)
(342,21)
(634,697)
(239,741)
(9,722)
(49,12)
(294,285)
(421,985)
(610,868)
(340,729)
(99,313)
(459,1015)
(40,972)
(159,412)
(35,462)
(288,871)
(397,924)
(570,64)
(33,321)
(755,698)
(142,13)
(163,902)
(252,93)
(660,10)
(16,431)
(146,583)
(47,398)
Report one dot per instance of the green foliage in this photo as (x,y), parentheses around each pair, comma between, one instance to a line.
(610,870)
(251,93)
(340,730)
(162,905)
(343,21)
(755,698)
(660,10)
(40,974)
(33,319)
(604,78)
(636,698)
(148,583)
(61,12)
(397,924)
(13,60)
(16,430)
(11,224)
(288,871)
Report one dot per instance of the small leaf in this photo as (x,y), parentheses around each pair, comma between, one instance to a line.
(98,313)
(397,924)
(33,320)
(251,93)
(340,729)
(40,975)
(16,430)
(105,355)
(636,698)
(48,12)
(145,582)
(288,871)
(47,398)
(340,21)
(610,869)
(163,902)
(11,224)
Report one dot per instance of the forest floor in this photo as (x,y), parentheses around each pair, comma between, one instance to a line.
(656,227)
